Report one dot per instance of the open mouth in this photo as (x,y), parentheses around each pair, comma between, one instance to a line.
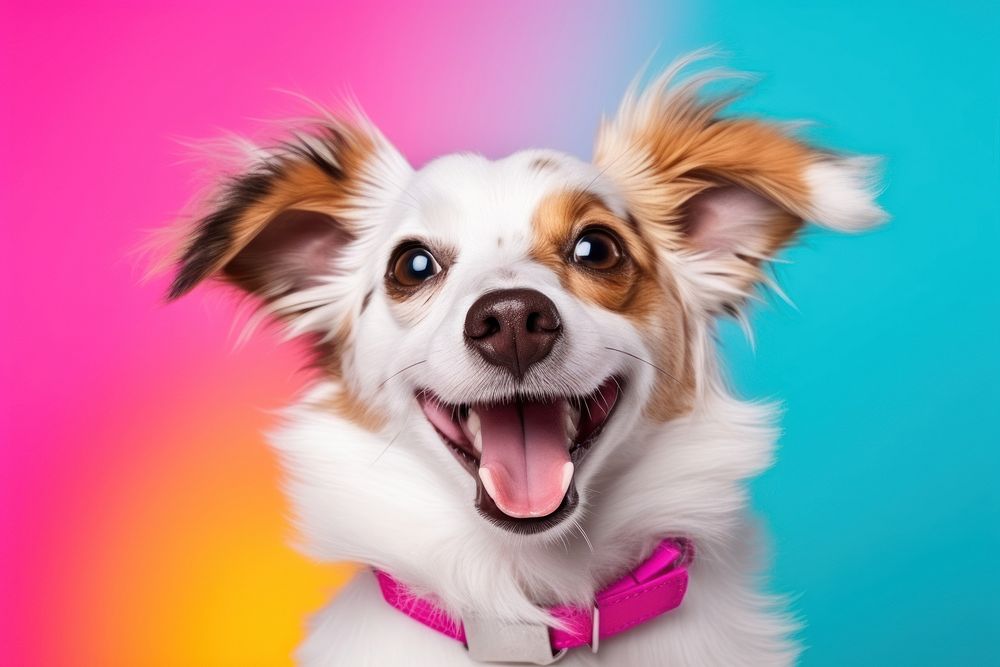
(523,452)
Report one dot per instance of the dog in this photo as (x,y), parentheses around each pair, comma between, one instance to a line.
(519,425)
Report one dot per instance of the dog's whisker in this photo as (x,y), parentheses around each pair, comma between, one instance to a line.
(586,539)
(564,542)
(631,147)
(645,361)
(385,449)
(401,370)
(604,401)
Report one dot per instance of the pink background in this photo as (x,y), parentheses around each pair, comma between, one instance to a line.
(141,515)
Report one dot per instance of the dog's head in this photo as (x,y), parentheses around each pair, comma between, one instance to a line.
(526,316)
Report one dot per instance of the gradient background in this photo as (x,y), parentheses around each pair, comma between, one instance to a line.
(140,518)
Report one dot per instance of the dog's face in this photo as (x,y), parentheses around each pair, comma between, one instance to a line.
(524,317)
(512,293)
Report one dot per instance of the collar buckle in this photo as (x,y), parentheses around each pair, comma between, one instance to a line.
(496,640)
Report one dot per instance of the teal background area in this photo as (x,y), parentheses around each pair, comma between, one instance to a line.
(883,505)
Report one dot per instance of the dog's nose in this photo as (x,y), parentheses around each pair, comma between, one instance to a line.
(513,328)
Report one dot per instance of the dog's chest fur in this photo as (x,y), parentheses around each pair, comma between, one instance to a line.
(686,479)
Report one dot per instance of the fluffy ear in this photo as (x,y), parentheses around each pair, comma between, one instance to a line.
(727,193)
(283,225)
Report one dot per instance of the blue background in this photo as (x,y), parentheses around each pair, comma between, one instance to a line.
(883,506)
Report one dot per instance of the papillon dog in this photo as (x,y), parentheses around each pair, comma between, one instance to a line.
(520,427)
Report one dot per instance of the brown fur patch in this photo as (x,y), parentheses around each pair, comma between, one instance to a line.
(317,173)
(305,185)
(322,173)
(668,144)
(347,405)
(636,288)
(344,402)
(559,219)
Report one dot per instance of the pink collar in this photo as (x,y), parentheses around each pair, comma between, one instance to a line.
(655,587)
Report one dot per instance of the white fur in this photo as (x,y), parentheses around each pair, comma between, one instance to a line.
(843,193)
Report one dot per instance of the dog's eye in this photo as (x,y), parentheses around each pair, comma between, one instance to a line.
(598,249)
(413,265)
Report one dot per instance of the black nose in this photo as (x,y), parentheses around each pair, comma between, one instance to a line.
(513,328)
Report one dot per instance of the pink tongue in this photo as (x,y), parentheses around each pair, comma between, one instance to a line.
(525,465)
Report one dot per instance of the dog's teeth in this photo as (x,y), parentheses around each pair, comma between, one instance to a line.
(487,477)
(473,423)
(572,418)
(570,427)
(567,475)
(477,442)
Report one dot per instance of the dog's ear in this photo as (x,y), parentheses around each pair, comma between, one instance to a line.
(726,193)
(283,225)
